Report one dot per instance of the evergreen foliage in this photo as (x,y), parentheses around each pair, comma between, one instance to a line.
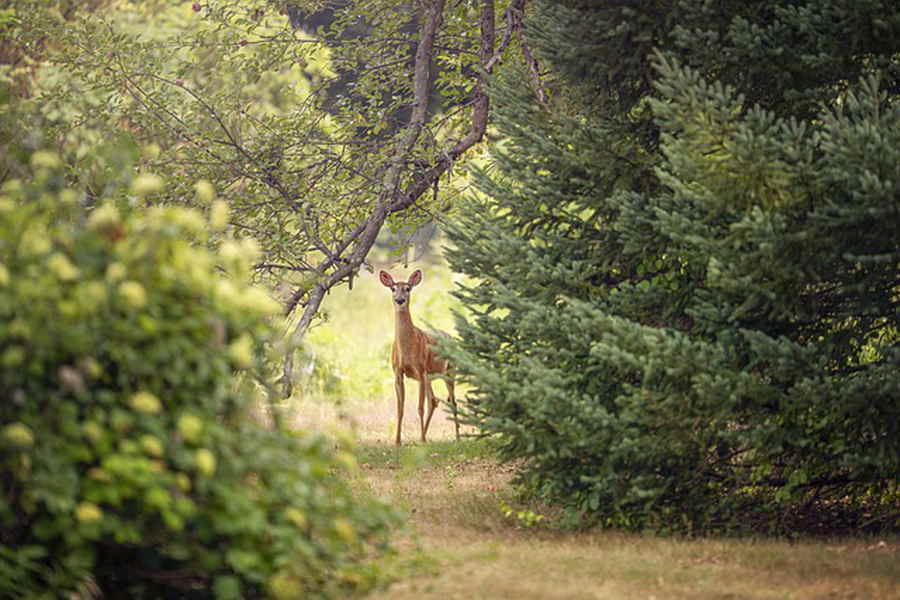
(131,466)
(685,309)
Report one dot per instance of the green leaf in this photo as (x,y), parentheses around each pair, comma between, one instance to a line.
(227,587)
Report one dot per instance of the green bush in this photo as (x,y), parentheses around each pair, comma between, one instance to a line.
(128,460)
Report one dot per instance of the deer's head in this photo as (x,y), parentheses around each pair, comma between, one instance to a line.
(400,290)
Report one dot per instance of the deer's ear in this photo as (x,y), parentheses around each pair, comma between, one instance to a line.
(415,278)
(386,278)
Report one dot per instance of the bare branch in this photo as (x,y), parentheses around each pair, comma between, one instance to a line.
(531,61)
(513,17)
(421,89)
(480,108)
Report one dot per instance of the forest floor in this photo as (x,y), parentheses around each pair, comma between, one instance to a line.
(465,539)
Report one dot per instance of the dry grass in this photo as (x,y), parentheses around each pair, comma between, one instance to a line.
(453,495)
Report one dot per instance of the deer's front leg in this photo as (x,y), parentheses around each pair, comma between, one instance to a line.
(401,397)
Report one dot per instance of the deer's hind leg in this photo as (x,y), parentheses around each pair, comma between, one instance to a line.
(432,402)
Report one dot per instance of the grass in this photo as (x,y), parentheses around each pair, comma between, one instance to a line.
(455,495)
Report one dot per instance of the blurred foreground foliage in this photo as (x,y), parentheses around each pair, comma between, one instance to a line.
(132,363)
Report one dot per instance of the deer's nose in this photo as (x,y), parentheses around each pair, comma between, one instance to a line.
(400,301)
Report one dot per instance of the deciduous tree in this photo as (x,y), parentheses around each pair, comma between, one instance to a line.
(315,138)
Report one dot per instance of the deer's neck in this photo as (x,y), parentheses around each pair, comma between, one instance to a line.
(404,330)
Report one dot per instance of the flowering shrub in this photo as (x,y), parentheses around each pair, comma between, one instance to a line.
(128,462)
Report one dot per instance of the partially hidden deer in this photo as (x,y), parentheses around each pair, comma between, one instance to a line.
(413,355)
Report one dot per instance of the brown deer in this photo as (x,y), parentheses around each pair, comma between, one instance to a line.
(413,355)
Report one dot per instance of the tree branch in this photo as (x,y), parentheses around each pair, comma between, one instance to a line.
(533,66)
(480,109)
(513,17)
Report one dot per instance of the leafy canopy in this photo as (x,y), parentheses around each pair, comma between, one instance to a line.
(318,124)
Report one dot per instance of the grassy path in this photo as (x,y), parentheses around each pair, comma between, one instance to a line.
(460,545)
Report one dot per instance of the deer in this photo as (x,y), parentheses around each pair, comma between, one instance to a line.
(413,355)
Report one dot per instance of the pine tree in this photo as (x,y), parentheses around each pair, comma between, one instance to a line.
(686,308)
